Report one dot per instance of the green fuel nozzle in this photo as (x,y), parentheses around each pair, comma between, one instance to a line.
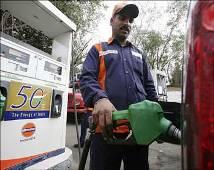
(147,122)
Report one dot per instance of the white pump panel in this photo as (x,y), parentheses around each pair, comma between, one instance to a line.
(34,90)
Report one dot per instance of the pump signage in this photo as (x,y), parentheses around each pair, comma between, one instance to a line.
(26,101)
(28,130)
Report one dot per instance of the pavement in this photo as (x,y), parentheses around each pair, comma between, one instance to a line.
(163,156)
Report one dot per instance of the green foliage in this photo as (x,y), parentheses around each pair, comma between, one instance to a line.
(18,29)
(163,49)
(176,76)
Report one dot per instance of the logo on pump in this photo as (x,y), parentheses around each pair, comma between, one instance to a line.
(28,130)
(26,101)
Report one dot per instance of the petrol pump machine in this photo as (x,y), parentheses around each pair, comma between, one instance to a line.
(34,90)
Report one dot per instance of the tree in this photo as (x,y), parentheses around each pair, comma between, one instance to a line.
(176,75)
(16,28)
(163,48)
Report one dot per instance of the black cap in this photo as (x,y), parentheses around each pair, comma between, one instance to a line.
(128,9)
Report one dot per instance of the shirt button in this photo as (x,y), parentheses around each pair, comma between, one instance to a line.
(124,59)
(129,87)
(126,72)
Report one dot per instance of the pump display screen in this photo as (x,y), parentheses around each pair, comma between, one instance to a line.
(15,55)
(50,67)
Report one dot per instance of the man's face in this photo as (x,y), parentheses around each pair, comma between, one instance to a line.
(121,26)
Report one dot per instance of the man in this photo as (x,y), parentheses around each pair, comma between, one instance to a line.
(115,74)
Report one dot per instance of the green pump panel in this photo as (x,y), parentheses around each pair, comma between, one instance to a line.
(2,104)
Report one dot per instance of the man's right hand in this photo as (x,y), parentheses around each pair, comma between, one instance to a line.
(102,113)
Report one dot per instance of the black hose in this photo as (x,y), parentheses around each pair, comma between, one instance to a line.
(87,144)
(85,153)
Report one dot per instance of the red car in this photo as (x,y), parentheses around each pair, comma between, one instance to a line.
(80,107)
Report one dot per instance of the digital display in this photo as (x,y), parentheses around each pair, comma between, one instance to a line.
(53,68)
(15,55)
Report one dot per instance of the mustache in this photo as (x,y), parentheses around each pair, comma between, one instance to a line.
(125,27)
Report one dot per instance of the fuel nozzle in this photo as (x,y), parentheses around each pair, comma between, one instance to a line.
(147,122)
(174,132)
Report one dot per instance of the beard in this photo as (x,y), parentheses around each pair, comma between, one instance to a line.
(121,37)
(122,34)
